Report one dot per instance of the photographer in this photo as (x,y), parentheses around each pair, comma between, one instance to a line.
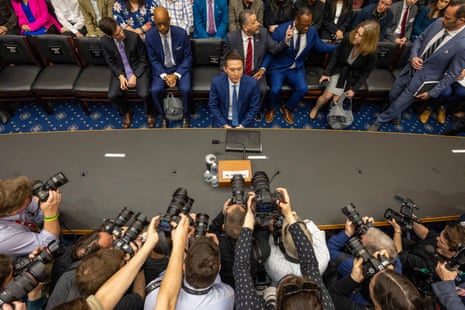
(450,291)
(21,216)
(293,292)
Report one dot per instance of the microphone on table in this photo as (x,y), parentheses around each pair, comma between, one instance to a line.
(244,150)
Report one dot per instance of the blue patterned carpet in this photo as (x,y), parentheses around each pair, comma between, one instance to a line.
(29,117)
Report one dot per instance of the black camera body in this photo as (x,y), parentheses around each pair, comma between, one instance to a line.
(350,211)
(180,203)
(371,265)
(405,217)
(239,196)
(266,207)
(115,227)
(131,234)
(40,189)
(47,255)
(458,261)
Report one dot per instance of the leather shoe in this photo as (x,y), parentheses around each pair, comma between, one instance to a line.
(185,123)
(164,123)
(151,121)
(258,117)
(442,115)
(424,116)
(459,126)
(269,116)
(288,116)
(395,121)
(127,120)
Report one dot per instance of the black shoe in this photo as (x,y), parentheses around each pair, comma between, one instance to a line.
(258,117)
(395,121)
(459,126)
(164,123)
(185,123)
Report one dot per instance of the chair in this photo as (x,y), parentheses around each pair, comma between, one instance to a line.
(56,81)
(403,59)
(20,68)
(94,81)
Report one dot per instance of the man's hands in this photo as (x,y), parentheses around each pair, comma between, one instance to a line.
(357,270)
(51,207)
(285,204)
(249,220)
(444,273)
(401,41)
(259,74)
(171,80)
(125,83)
(289,34)
(417,63)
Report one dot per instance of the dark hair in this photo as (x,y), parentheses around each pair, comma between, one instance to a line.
(303,10)
(346,7)
(454,233)
(232,55)
(461,8)
(393,291)
(127,4)
(13,193)
(433,9)
(297,292)
(86,245)
(6,268)
(286,6)
(244,16)
(107,25)
(202,262)
(75,304)
(233,220)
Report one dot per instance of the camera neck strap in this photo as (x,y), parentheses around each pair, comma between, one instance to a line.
(32,226)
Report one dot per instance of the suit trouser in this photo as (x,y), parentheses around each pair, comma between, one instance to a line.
(116,94)
(158,89)
(296,79)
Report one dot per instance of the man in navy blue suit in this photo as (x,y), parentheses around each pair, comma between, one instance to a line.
(170,54)
(289,65)
(234,96)
(210,19)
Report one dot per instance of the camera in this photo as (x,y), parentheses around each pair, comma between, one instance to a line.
(350,211)
(24,283)
(238,185)
(265,201)
(115,226)
(201,224)
(133,231)
(405,217)
(371,265)
(48,254)
(458,261)
(40,189)
(180,203)
(269,295)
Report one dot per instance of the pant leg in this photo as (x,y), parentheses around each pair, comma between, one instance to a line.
(116,96)
(143,91)
(298,81)
(184,85)
(158,88)
(401,97)
(276,85)
(263,85)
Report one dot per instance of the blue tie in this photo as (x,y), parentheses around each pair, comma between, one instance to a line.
(235,120)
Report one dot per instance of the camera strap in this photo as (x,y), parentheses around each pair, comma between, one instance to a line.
(32,226)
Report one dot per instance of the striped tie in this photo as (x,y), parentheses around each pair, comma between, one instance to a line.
(434,46)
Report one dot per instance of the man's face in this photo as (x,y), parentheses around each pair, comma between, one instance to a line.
(411,3)
(234,69)
(163,24)
(303,23)
(119,33)
(383,6)
(442,247)
(252,26)
(450,21)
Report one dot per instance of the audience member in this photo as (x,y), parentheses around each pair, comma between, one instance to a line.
(126,56)
(181,13)
(437,55)
(350,65)
(21,216)
(336,19)
(278,12)
(427,15)
(317,9)
(34,17)
(253,42)
(242,102)
(308,291)
(170,55)
(404,13)
(237,6)
(289,65)
(379,12)
(134,15)
(8,18)
(210,19)
(93,11)
(70,17)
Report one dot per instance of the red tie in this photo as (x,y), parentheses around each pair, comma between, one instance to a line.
(249,58)
(402,24)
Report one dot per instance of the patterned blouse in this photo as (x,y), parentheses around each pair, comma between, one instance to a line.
(125,17)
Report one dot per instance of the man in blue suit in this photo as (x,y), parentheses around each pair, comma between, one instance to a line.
(289,65)
(170,55)
(234,96)
(210,19)
(437,55)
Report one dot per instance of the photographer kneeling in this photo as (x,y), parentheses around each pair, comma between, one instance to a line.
(293,292)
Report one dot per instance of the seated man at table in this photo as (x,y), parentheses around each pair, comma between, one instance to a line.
(242,102)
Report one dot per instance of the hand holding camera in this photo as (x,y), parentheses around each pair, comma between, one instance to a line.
(51,206)
(284,204)
(357,270)
(249,220)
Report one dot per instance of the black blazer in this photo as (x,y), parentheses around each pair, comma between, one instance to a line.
(355,74)
(328,27)
(135,50)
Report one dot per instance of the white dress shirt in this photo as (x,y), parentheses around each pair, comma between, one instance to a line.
(68,14)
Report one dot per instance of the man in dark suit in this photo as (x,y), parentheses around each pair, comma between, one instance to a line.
(437,55)
(289,65)
(404,13)
(127,58)
(253,42)
(234,96)
(377,11)
(170,54)
(210,19)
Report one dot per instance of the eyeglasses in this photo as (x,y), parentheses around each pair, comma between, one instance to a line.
(293,288)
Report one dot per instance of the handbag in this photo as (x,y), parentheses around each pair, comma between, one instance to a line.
(338,117)
(173,107)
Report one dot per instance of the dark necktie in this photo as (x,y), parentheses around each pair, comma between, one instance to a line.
(434,46)
(249,57)
(124,58)
(235,117)
(167,52)
(297,44)
(403,23)
(211,18)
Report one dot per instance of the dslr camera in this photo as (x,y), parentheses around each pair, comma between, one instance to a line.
(47,255)
(371,265)
(131,234)
(115,227)
(238,191)
(266,207)
(350,211)
(405,217)
(40,189)
(201,224)
(180,203)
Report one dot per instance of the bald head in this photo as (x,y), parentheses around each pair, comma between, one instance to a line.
(162,19)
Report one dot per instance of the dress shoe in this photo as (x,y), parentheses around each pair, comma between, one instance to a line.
(288,116)
(185,123)
(374,127)
(258,117)
(442,115)
(395,121)
(127,120)
(459,126)
(151,121)
(424,116)
(269,116)
(164,123)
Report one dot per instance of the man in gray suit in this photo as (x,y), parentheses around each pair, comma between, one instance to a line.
(253,42)
(404,13)
(437,55)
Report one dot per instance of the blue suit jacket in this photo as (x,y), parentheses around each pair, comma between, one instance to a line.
(248,100)
(444,65)
(181,50)
(283,61)
(200,18)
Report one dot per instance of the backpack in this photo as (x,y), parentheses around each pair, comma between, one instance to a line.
(338,117)
(173,107)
